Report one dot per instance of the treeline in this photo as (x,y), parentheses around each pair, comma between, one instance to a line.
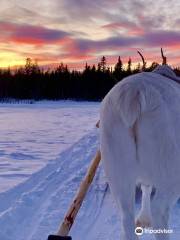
(93,83)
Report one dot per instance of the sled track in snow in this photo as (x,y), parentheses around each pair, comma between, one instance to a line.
(34,208)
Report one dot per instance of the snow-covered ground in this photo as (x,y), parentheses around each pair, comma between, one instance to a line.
(60,140)
(34,134)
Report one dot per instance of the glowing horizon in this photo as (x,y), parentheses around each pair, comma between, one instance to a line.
(76,32)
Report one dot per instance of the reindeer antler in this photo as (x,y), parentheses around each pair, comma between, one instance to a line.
(163,57)
(144,63)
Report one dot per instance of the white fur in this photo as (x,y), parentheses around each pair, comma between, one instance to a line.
(139,141)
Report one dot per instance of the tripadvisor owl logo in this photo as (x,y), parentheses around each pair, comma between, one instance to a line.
(139,231)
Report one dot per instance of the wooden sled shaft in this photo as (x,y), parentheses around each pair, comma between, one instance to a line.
(77,202)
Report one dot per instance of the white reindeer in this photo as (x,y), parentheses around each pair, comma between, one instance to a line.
(140,144)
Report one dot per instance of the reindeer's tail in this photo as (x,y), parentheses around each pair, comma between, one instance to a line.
(131,103)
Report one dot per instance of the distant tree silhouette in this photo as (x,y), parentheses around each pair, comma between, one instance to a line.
(119,66)
(102,64)
(118,69)
(129,66)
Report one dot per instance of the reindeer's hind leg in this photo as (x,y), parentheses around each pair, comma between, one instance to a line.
(144,217)
(160,208)
(118,157)
(124,194)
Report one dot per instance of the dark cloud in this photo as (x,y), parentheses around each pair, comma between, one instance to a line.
(39,33)
(31,34)
(147,39)
(162,38)
(86,48)
(106,44)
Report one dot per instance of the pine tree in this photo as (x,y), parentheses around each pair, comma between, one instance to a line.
(118,69)
(28,66)
(102,64)
(119,66)
(129,70)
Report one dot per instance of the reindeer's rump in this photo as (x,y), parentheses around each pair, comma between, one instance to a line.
(158,131)
(143,111)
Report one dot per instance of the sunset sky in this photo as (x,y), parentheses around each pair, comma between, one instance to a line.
(76,31)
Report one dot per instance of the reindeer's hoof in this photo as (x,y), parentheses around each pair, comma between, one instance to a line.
(143,222)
